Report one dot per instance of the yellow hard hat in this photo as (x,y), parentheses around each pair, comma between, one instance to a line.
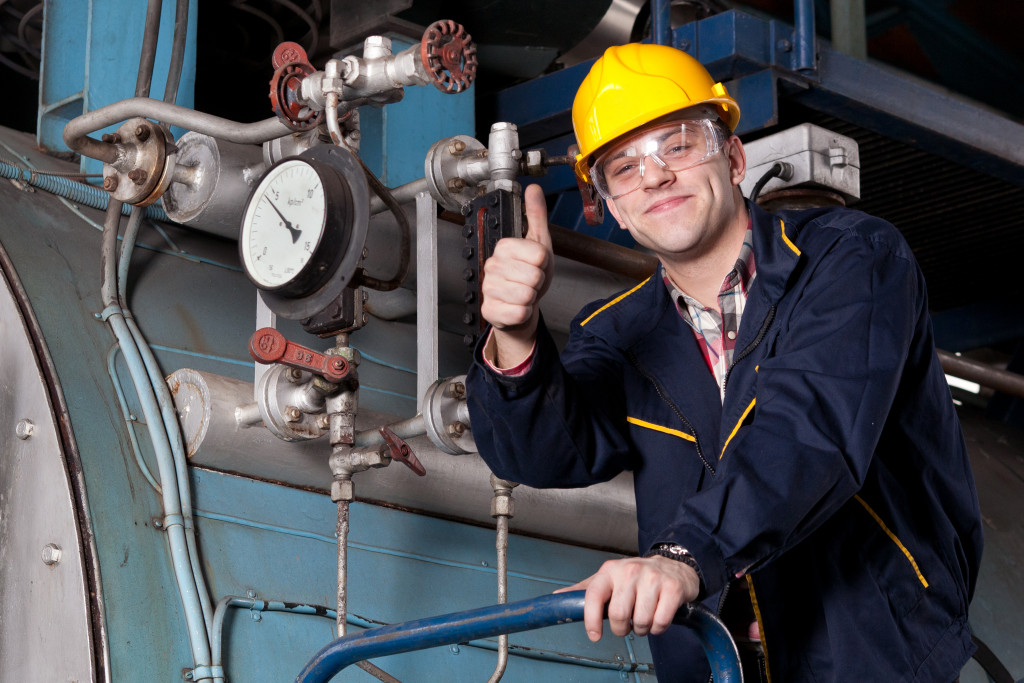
(633,84)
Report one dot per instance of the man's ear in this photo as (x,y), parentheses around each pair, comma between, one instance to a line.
(737,160)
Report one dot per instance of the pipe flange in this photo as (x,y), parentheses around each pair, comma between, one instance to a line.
(446,416)
(278,395)
(148,163)
(442,170)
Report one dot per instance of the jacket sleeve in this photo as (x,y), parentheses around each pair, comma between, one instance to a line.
(561,424)
(823,397)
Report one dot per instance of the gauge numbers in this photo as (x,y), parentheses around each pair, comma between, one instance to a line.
(283,224)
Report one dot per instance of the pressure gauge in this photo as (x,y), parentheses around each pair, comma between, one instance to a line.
(303,230)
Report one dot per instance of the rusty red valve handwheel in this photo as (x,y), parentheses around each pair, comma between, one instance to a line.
(269,346)
(291,66)
(401,452)
(449,54)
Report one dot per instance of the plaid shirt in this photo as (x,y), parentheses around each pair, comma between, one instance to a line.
(716,331)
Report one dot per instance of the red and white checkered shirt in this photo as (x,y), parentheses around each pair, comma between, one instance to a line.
(716,331)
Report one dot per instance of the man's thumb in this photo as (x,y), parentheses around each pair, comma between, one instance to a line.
(537,216)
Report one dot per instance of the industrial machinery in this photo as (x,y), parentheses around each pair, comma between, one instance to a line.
(203,406)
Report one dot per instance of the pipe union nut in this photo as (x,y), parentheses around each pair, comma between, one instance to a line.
(503,506)
(342,490)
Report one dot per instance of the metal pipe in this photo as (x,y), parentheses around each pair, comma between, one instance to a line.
(147,57)
(341,531)
(502,509)
(79,193)
(486,622)
(173,520)
(1003,381)
(177,62)
(406,429)
(402,194)
(77,130)
(805,38)
(661,22)
(602,254)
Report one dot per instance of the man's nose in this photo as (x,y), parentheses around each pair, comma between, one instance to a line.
(655,173)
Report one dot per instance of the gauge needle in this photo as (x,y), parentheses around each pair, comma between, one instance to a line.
(287,223)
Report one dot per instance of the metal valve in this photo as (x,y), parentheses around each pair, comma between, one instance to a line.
(269,346)
(449,54)
(291,66)
(400,451)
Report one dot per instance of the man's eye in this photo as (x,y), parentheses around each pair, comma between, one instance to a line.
(624,169)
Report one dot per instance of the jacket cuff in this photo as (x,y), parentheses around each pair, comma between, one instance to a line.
(713,571)
(533,375)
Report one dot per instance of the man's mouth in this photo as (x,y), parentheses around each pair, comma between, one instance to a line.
(667,203)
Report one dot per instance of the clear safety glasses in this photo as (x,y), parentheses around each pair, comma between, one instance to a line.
(674,146)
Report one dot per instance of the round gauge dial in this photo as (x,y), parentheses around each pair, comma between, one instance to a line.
(284,224)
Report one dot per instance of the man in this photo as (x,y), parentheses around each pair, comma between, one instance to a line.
(773,388)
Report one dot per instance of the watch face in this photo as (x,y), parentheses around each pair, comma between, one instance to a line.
(283,224)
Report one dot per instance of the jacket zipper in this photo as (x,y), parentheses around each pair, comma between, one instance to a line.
(664,397)
(761,334)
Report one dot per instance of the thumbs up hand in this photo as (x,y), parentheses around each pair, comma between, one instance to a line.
(515,278)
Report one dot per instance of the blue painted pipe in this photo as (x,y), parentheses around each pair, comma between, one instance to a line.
(805,39)
(486,622)
(661,22)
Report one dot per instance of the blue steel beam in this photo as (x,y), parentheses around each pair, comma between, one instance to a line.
(486,622)
(733,44)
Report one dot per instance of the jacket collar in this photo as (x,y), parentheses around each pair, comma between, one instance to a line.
(775,253)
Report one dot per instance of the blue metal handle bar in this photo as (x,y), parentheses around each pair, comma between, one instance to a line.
(486,622)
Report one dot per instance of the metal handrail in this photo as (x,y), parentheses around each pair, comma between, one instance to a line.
(486,622)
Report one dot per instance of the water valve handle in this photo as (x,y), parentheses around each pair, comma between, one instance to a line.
(269,346)
(401,452)
(449,55)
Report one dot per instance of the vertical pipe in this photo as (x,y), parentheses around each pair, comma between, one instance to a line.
(426,294)
(501,544)
(806,47)
(342,533)
(661,21)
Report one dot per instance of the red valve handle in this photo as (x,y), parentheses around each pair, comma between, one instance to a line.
(269,346)
(449,54)
(291,66)
(401,452)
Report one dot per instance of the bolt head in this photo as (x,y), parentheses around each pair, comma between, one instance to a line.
(142,133)
(324,422)
(51,554)
(293,374)
(110,183)
(25,429)
(292,414)
(456,429)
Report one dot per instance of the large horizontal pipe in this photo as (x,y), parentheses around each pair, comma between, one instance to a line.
(455,487)
(1000,380)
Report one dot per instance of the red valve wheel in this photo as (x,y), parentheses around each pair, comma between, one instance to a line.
(449,54)
(291,66)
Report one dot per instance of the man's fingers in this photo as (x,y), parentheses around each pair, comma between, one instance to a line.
(599,590)
(537,216)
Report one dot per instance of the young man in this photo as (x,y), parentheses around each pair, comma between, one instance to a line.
(773,388)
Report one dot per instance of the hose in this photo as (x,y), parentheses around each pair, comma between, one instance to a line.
(404,232)
(79,193)
(780,169)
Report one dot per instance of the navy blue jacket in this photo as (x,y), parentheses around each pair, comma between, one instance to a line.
(834,476)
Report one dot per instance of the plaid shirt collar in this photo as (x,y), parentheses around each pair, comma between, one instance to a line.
(716,330)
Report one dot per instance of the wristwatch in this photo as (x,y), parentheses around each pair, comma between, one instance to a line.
(677,552)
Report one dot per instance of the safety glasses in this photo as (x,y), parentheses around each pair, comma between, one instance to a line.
(674,146)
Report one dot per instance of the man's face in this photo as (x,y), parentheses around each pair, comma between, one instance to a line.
(681,215)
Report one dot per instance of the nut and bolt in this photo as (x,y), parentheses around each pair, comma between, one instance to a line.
(293,374)
(51,554)
(292,414)
(324,422)
(469,297)
(457,390)
(468,274)
(112,138)
(457,147)
(25,429)
(468,252)
(342,490)
(110,183)
(137,176)
(142,133)
(456,429)
(456,184)
(468,318)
